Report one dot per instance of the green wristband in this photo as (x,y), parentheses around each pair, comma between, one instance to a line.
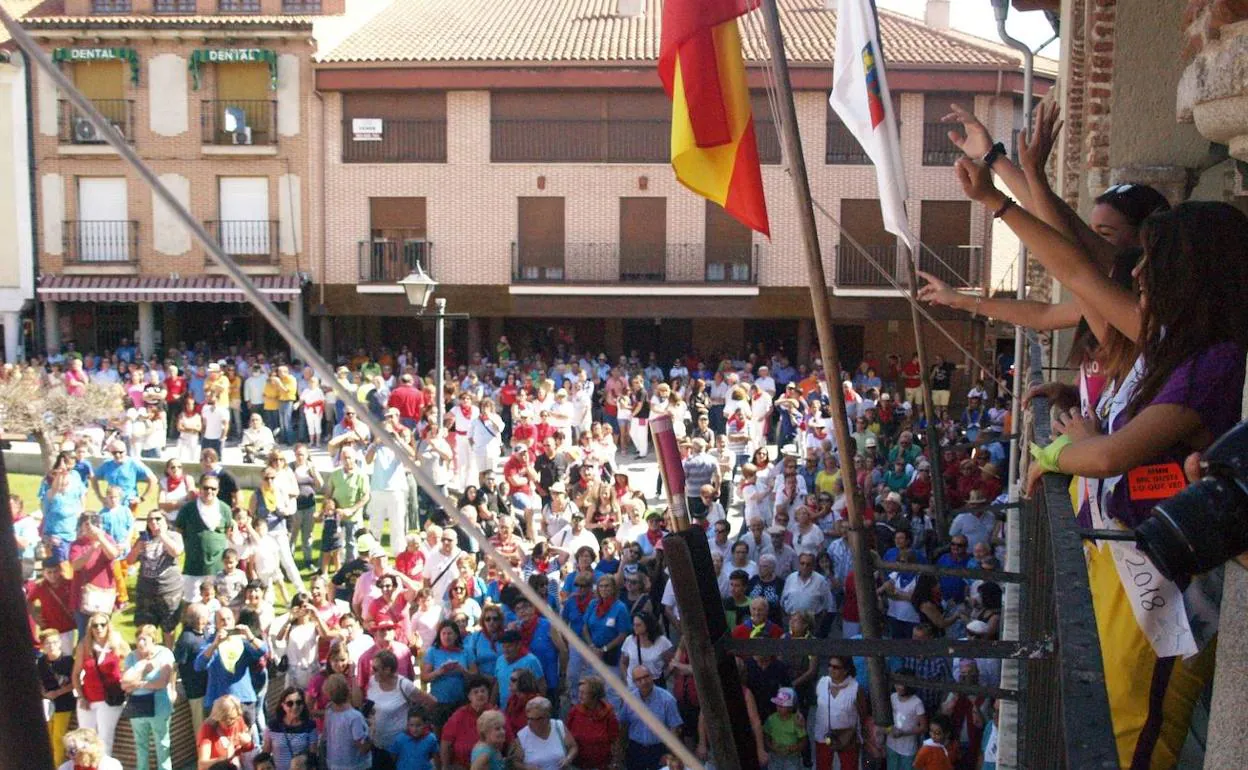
(1047,457)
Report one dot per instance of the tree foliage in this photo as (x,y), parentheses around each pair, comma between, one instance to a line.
(49,414)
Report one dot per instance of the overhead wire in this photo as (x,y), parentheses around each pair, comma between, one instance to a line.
(313,358)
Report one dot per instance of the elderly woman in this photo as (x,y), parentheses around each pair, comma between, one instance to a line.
(606,622)
(492,734)
(224,736)
(257,439)
(85,749)
(158,592)
(148,671)
(593,726)
(545,743)
(97,678)
(459,734)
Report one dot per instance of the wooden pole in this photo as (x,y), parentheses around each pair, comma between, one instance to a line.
(865,581)
(715,674)
(929,410)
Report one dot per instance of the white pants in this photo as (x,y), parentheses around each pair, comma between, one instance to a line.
(389,504)
(287,558)
(485,462)
(188,447)
(464,474)
(639,432)
(102,718)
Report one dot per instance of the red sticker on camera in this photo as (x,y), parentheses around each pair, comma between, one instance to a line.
(1156,482)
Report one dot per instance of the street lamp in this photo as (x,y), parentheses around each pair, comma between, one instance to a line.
(418,286)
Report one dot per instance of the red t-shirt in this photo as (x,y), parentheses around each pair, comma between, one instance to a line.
(507,395)
(515,467)
(410,564)
(97,673)
(227,743)
(174,388)
(746,630)
(849,611)
(460,731)
(911,375)
(544,430)
(523,432)
(409,400)
(55,604)
(596,734)
(98,572)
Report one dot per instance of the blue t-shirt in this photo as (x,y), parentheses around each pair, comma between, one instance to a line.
(61,512)
(496,759)
(123,474)
(953,588)
(573,616)
(503,669)
(610,625)
(118,522)
(448,689)
(543,646)
(414,753)
(482,651)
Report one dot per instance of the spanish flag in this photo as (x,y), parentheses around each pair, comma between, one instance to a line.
(714,150)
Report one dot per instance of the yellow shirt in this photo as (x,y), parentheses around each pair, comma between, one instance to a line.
(289,388)
(272,394)
(826,482)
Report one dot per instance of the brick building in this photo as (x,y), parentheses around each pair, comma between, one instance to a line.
(520,154)
(217,96)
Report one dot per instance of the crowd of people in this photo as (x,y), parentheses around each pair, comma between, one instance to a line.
(398,645)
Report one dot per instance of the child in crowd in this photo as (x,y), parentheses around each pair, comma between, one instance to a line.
(117,520)
(264,559)
(347,744)
(230,580)
(785,732)
(332,544)
(416,748)
(938,752)
(56,680)
(208,598)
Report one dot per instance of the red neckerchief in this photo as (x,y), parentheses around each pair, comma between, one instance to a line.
(582,604)
(466,410)
(654,537)
(175,481)
(603,608)
(527,630)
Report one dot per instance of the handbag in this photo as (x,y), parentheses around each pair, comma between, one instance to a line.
(113,694)
(96,600)
(140,706)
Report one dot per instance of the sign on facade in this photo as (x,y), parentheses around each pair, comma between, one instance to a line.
(366,129)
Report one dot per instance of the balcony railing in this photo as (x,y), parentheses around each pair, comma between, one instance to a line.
(253,242)
(608,263)
(937,149)
(853,271)
(580,141)
(842,148)
(110,6)
(303,7)
(959,266)
(239,122)
(768,140)
(238,6)
(175,6)
(76,129)
(402,141)
(387,261)
(101,242)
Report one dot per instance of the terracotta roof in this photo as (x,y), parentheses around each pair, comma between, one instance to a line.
(590,32)
(169,21)
(18,9)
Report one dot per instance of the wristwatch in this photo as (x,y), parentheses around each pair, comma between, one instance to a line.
(996,151)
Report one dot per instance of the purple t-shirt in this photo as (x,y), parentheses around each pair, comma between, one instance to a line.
(1210,383)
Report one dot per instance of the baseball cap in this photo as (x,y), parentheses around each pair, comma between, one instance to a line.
(366,543)
(385,623)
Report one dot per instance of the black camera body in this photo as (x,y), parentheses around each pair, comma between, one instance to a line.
(1207,523)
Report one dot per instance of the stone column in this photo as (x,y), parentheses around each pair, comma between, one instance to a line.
(802,354)
(147,329)
(295,313)
(327,337)
(474,338)
(52,327)
(12,336)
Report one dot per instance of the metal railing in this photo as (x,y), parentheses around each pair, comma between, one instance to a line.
(100,242)
(388,261)
(110,6)
(854,271)
(175,6)
(959,266)
(239,122)
(937,149)
(630,140)
(76,129)
(401,141)
(768,140)
(238,6)
(607,263)
(842,148)
(253,241)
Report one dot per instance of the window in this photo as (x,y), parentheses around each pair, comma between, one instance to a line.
(937,149)
(539,250)
(579,127)
(238,6)
(244,228)
(397,241)
(643,239)
(103,231)
(729,247)
(104,83)
(841,148)
(864,221)
(305,7)
(946,231)
(389,127)
(244,111)
(174,6)
(110,6)
(765,133)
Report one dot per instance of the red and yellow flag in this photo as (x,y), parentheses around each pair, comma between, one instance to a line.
(714,149)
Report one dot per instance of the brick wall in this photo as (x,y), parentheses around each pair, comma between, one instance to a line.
(471,203)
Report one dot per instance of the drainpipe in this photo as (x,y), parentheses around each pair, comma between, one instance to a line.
(321,185)
(28,66)
(1001,9)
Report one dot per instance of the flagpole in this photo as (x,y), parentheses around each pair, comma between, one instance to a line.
(864,568)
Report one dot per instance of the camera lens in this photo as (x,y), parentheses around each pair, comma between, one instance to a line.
(1197,529)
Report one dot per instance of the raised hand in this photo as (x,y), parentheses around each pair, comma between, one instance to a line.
(936,291)
(1033,156)
(976,181)
(976,143)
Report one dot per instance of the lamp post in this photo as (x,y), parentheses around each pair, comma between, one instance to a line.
(419,287)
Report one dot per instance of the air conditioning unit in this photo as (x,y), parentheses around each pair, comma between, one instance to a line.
(84,132)
(242,135)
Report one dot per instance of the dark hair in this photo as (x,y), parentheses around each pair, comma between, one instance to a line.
(475,681)
(848,662)
(305,715)
(990,595)
(945,724)
(924,587)
(905,688)
(1134,201)
(386,658)
(652,625)
(739,574)
(1193,273)
(459,635)
(1116,353)
(526,680)
(250,618)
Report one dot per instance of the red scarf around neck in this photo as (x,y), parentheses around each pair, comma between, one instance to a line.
(603,607)
(582,602)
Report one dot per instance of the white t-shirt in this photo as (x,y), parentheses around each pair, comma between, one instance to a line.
(389,709)
(544,753)
(651,657)
(214,421)
(906,716)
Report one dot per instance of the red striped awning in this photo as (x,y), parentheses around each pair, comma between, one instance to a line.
(133,288)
